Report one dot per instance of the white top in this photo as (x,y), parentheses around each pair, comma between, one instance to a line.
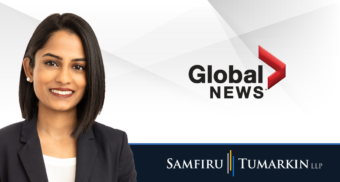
(60,170)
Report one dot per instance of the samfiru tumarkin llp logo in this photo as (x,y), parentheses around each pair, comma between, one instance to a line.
(248,77)
(243,163)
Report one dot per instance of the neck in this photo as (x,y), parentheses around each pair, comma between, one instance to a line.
(56,124)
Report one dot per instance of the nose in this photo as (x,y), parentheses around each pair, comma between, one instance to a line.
(64,76)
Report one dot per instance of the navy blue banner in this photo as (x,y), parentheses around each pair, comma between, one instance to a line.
(236,162)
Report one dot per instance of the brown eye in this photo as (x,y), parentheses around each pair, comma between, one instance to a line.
(51,63)
(79,67)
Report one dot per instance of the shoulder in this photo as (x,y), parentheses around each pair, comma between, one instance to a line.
(12,129)
(10,133)
(106,134)
(108,130)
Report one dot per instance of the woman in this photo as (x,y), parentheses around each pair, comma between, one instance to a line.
(61,92)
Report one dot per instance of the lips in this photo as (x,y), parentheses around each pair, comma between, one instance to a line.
(62,89)
(62,92)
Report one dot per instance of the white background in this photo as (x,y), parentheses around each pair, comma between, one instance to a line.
(149,46)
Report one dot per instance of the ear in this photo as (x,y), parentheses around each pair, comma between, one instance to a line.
(28,69)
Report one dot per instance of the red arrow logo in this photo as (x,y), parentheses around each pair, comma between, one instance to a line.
(276,64)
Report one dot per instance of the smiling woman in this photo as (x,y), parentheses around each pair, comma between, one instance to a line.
(61,92)
(59,73)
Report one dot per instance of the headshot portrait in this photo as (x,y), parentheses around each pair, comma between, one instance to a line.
(61,93)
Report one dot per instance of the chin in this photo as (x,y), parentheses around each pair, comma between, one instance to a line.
(62,108)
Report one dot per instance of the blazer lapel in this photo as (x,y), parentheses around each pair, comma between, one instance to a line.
(31,154)
(86,156)
(32,158)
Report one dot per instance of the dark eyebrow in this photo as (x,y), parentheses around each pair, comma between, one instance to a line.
(55,56)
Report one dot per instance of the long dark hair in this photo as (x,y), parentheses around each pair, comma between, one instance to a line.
(92,102)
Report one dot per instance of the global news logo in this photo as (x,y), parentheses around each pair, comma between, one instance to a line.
(250,76)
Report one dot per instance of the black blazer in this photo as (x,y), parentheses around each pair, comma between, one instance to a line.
(103,155)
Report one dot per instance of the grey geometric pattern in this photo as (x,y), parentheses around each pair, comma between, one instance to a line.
(148,92)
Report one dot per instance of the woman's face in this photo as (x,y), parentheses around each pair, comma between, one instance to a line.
(59,77)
